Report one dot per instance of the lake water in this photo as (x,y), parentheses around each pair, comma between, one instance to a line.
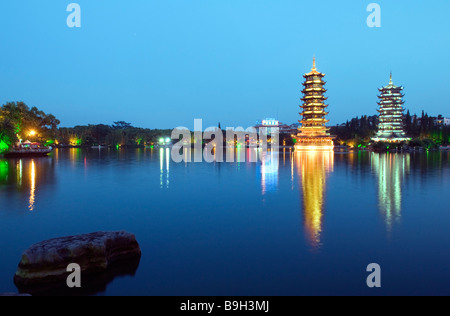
(294,224)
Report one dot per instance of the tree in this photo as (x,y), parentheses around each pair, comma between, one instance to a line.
(121,125)
(7,135)
(19,121)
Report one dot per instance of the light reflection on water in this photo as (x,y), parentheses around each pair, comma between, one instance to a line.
(164,163)
(269,171)
(254,218)
(313,168)
(32,185)
(25,176)
(391,170)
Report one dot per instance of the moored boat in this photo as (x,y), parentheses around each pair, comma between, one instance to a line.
(28,149)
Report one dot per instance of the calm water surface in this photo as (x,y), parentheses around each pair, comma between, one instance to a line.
(293,224)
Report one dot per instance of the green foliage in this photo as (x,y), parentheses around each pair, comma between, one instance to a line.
(120,133)
(356,131)
(121,125)
(429,144)
(4,146)
(361,130)
(4,170)
(380,146)
(416,142)
(7,131)
(17,120)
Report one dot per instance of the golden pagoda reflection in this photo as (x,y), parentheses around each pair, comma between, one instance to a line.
(313,168)
(32,186)
(391,170)
(269,171)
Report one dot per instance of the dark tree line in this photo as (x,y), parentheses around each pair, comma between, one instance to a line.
(118,134)
(357,129)
(423,129)
(20,122)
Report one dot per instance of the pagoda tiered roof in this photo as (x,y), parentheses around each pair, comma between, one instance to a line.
(321,89)
(313,134)
(309,97)
(400,101)
(390,127)
(319,112)
(310,82)
(314,105)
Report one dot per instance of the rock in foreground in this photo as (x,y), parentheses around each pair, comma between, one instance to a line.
(46,263)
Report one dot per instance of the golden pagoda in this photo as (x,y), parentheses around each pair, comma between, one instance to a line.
(313,134)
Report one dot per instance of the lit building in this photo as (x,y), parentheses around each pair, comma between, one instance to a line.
(270,123)
(390,126)
(442,121)
(313,134)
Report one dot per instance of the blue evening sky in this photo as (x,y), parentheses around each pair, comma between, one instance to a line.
(160,64)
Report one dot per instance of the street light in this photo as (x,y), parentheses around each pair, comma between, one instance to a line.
(32,133)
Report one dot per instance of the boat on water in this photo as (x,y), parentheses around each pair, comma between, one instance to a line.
(28,149)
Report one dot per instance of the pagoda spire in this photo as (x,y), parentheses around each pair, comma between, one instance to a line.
(314,69)
(390,80)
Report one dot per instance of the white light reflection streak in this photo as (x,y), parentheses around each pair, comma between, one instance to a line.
(32,186)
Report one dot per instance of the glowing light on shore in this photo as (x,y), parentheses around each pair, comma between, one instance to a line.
(314,148)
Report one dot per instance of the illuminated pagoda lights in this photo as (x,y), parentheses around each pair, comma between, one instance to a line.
(313,134)
(313,168)
(390,126)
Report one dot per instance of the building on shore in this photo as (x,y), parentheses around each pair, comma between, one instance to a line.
(442,121)
(313,134)
(390,126)
(270,123)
